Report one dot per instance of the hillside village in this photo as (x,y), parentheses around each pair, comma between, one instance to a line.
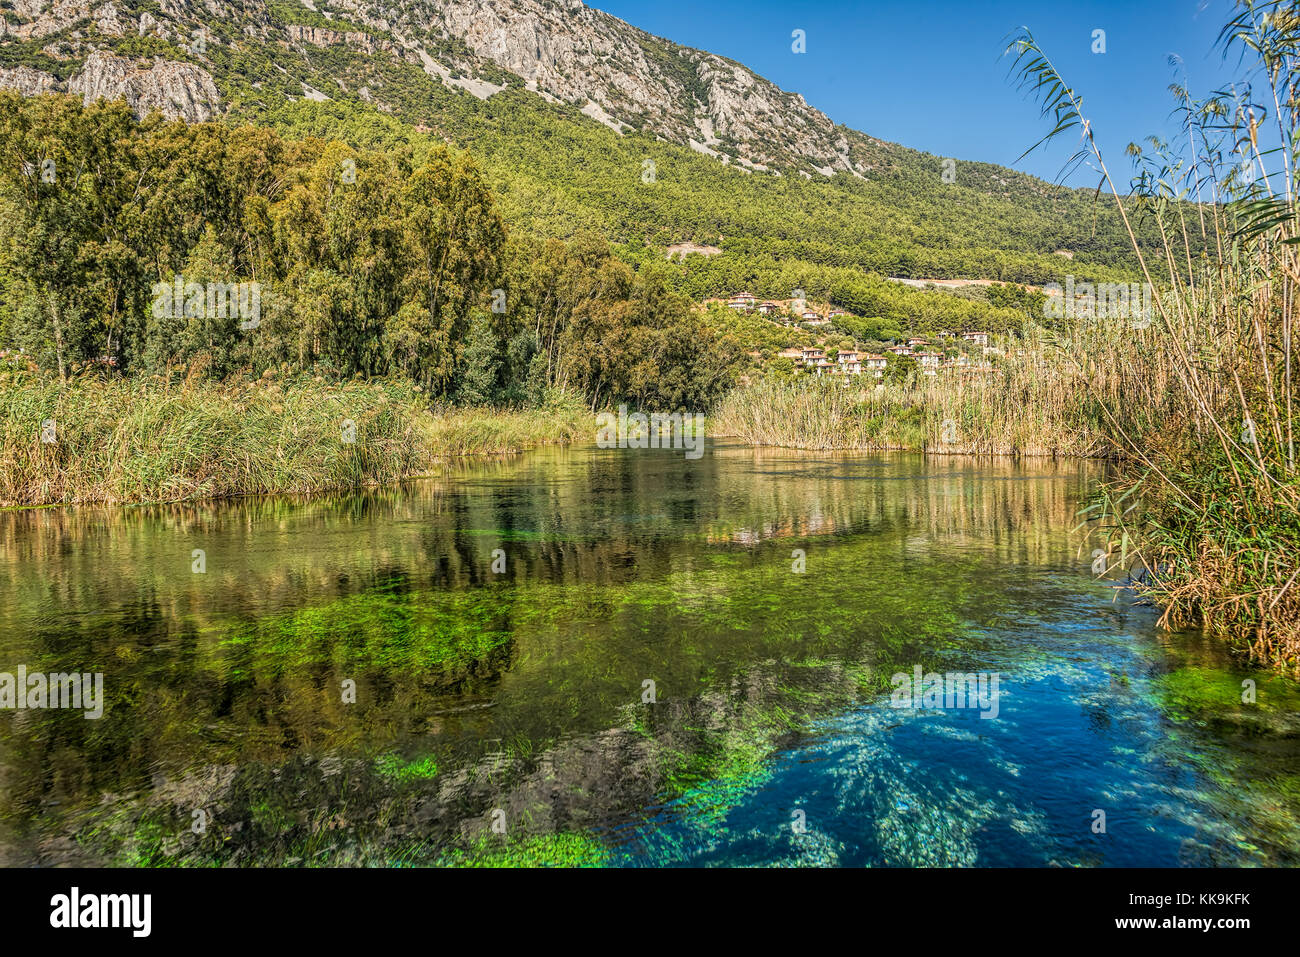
(948,352)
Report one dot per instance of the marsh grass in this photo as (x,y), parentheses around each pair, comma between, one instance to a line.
(179,439)
(1196,403)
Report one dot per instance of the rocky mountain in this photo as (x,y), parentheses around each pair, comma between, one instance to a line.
(174,89)
(164,54)
(688,96)
(177,90)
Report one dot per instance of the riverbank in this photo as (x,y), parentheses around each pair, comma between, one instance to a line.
(1210,491)
(115,441)
(824,415)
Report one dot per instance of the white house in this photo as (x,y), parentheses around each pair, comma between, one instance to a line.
(929,361)
(811,356)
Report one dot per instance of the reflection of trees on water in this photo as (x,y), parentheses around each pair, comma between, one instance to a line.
(620,566)
(588,509)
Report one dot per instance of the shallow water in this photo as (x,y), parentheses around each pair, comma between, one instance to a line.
(503,716)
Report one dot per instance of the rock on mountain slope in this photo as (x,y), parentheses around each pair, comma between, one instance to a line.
(68,30)
(579,54)
(558,49)
(177,90)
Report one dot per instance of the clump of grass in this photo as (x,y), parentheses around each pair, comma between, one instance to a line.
(170,439)
(542,850)
(477,432)
(421,769)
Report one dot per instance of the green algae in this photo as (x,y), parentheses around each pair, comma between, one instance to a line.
(527,686)
(1253,701)
(548,850)
(420,769)
(378,630)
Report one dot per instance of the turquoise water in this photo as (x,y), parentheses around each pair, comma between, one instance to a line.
(1085,724)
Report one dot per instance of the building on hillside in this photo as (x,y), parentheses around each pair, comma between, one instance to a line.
(979,338)
(742,302)
(945,334)
(874,364)
(812,355)
(929,361)
(917,341)
(837,314)
(825,366)
(900,350)
(850,362)
(768,308)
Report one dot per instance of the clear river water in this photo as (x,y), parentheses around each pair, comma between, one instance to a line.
(613,657)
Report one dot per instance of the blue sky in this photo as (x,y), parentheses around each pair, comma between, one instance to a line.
(928,73)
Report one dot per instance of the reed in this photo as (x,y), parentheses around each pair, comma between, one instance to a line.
(175,439)
(1196,403)
(1048,395)
(1209,497)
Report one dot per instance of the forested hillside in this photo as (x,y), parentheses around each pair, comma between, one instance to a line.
(342,70)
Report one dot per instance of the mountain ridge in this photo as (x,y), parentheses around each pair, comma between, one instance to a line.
(618,74)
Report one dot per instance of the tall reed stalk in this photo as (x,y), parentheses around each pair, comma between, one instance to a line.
(1052,394)
(1210,498)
